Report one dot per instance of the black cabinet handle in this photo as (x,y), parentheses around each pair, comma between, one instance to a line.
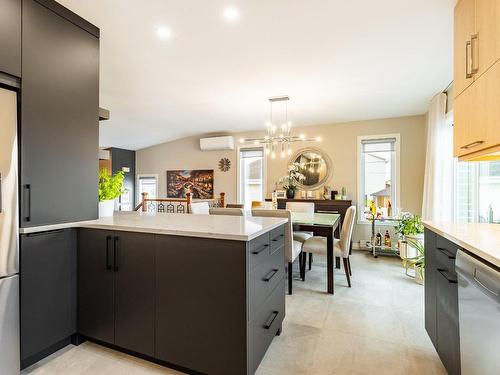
(271,319)
(257,252)
(116,256)
(27,202)
(447,253)
(270,275)
(276,239)
(108,256)
(444,273)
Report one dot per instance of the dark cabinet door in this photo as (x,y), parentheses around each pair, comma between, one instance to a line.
(134,292)
(10,37)
(96,284)
(59,127)
(448,339)
(48,290)
(201,304)
(430,285)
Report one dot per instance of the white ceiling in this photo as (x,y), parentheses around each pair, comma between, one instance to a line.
(338,61)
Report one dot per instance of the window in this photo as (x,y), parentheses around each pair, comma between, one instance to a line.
(477,192)
(147,184)
(378,174)
(251,176)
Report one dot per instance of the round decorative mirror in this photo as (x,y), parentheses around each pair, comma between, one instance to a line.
(315,165)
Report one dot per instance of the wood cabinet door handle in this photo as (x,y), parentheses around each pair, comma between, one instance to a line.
(472,145)
(468,73)
(474,66)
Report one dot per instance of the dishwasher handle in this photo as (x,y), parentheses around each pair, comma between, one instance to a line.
(484,276)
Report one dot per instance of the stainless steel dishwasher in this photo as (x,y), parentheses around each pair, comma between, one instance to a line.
(479,315)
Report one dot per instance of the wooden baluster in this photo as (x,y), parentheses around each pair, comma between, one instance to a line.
(222,203)
(188,202)
(144,202)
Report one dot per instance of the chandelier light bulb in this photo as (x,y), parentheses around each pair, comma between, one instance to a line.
(267,151)
(256,142)
(302,136)
(242,140)
(318,139)
(283,154)
(273,155)
(289,151)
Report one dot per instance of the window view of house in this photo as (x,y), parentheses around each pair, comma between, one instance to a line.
(378,175)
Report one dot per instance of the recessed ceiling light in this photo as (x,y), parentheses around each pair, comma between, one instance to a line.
(231,14)
(164,32)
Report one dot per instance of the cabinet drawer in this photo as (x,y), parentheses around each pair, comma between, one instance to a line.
(277,237)
(263,280)
(446,252)
(258,250)
(264,327)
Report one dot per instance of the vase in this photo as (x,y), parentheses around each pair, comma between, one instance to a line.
(290,193)
(106,208)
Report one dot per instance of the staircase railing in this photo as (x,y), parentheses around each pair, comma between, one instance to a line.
(175,205)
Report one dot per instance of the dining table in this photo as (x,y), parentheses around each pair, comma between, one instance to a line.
(323,225)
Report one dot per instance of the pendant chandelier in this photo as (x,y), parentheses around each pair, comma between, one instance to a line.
(279,138)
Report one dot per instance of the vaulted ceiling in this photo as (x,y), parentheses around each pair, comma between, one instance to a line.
(171,69)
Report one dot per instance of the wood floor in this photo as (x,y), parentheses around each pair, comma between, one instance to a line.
(375,327)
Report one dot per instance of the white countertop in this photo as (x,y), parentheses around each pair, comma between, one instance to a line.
(236,228)
(482,240)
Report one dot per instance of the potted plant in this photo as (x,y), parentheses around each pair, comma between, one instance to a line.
(411,230)
(110,188)
(289,181)
(417,262)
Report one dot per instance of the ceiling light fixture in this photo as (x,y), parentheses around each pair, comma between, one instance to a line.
(279,138)
(231,14)
(164,32)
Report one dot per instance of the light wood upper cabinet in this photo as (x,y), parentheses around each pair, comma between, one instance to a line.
(464,29)
(477,98)
(486,37)
(477,117)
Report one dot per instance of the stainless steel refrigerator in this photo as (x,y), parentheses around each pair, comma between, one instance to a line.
(9,238)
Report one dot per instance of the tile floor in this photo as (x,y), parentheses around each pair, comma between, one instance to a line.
(375,327)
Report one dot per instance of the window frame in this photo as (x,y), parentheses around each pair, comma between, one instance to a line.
(138,179)
(238,169)
(360,177)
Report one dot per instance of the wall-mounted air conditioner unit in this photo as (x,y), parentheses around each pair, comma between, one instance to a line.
(217,143)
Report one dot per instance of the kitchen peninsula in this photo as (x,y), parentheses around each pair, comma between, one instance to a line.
(200,293)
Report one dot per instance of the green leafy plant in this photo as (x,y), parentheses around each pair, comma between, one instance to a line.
(294,175)
(409,225)
(110,187)
(418,262)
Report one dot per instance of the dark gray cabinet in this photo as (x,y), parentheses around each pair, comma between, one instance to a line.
(205,305)
(116,288)
(96,284)
(59,122)
(134,292)
(441,299)
(430,286)
(48,292)
(10,37)
(201,304)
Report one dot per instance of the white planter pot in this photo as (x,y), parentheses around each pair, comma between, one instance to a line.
(106,208)
(411,252)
